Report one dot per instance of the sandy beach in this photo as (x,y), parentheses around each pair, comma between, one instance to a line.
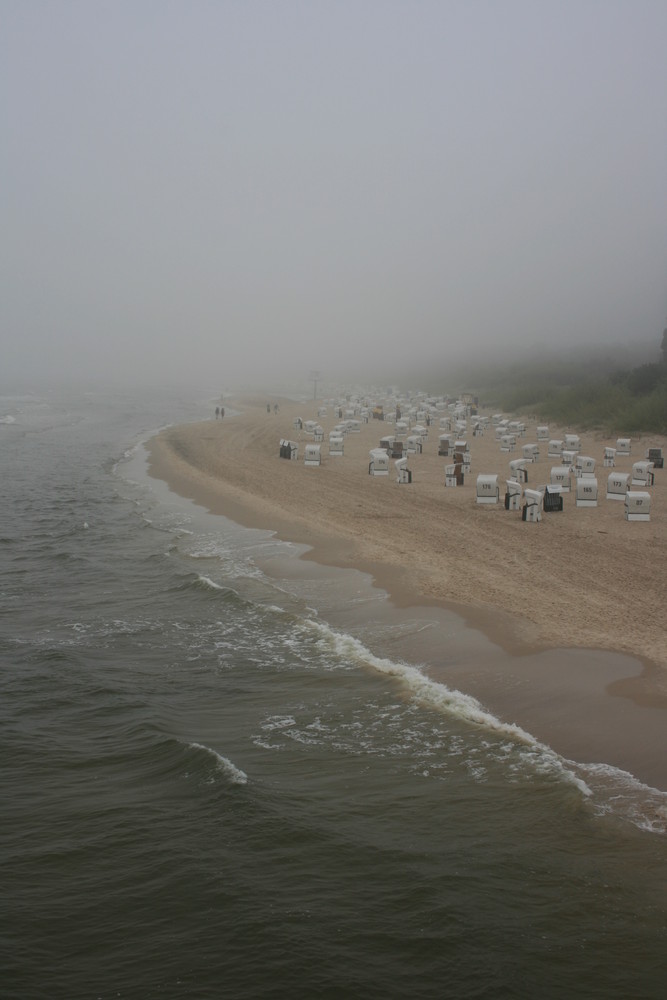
(582,578)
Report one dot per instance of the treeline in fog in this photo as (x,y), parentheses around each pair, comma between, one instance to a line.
(590,391)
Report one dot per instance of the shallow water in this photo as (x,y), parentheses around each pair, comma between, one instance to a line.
(224,776)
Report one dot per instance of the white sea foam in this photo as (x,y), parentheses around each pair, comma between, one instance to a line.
(620,792)
(210,583)
(279,722)
(9,419)
(230,561)
(451,701)
(233,773)
(608,788)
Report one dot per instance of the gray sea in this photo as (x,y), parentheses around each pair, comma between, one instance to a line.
(219,779)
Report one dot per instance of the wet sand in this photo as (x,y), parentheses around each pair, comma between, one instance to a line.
(559,600)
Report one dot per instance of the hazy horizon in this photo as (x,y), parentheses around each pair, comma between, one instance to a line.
(241,192)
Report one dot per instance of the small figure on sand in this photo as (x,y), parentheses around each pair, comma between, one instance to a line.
(275,407)
(268,407)
(222,412)
(217,412)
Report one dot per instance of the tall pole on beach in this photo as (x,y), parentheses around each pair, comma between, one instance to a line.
(314,378)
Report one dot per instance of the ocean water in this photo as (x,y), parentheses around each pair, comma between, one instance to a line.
(217,780)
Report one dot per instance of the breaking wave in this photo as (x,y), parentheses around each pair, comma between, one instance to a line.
(233,773)
(609,790)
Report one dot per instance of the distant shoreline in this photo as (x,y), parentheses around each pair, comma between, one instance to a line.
(581,578)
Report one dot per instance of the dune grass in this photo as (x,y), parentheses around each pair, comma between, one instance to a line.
(633,401)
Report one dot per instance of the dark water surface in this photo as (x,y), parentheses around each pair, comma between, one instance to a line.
(212,788)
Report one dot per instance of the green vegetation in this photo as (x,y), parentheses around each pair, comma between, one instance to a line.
(631,402)
(591,393)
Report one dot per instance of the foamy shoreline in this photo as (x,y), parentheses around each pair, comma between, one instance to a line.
(580,578)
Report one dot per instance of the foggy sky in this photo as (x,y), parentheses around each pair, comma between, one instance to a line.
(224,190)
